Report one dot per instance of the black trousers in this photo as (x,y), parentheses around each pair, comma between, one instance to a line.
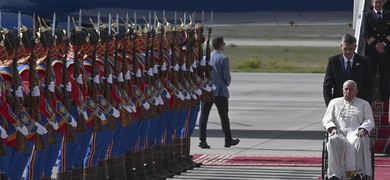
(222,104)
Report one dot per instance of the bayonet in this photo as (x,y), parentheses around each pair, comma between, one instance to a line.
(20,23)
(68,29)
(53,27)
(117,24)
(33,28)
(80,18)
(127,22)
(211,19)
(135,21)
(185,18)
(109,24)
(98,24)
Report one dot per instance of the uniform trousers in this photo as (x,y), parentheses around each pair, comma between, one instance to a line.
(52,153)
(190,122)
(181,122)
(170,128)
(17,161)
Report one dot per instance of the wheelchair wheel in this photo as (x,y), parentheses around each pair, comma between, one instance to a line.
(372,149)
(324,166)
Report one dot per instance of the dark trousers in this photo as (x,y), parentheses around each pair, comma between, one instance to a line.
(222,104)
(381,62)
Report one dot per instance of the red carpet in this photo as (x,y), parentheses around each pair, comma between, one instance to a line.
(382,164)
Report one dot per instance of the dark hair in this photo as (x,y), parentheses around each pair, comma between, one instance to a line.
(348,39)
(217,42)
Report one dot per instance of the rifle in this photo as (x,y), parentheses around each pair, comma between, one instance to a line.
(118,37)
(39,142)
(70,134)
(97,123)
(21,142)
(185,104)
(111,122)
(143,114)
(2,147)
(130,116)
(148,59)
(208,96)
(189,61)
(51,136)
(175,79)
(166,106)
(81,124)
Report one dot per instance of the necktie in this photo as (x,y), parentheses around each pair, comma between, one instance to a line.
(348,69)
(379,15)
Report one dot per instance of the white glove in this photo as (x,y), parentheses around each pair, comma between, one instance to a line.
(168,95)
(115,113)
(207,88)
(164,67)
(120,78)
(102,117)
(35,91)
(54,124)
(138,74)
(181,96)
(184,67)
(203,62)
(177,67)
(73,123)
(155,69)
(150,72)
(159,98)
(198,91)
(127,108)
(19,92)
(79,79)
(188,97)
(96,79)
(194,64)
(194,96)
(23,129)
(213,87)
(69,87)
(3,133)
(51,86)
(109,79)
(146,105)
(191,69)
(127,75)
(40,129)
(82,112)
(132,107)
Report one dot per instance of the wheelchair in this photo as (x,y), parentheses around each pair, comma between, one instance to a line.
(325,154)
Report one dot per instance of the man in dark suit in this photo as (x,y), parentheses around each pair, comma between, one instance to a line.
(348,66)
(376,31)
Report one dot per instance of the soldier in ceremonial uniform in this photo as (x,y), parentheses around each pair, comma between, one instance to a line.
(55,92)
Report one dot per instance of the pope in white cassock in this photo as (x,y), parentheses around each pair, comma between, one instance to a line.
(348,121)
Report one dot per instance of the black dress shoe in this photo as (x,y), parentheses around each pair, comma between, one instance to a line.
(233,142)
(357,177)
(334,178)
(204,145)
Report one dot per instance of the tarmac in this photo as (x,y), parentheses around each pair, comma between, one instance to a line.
(273,114)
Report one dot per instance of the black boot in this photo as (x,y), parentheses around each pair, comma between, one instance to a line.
(168,161)
(139,167)
(149,165)
(129,165)
(177,153)
(101,170)
(90,173)
(158,165)
(111,168)
(77,173)
(120,168)
(185,150)
(66,175)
